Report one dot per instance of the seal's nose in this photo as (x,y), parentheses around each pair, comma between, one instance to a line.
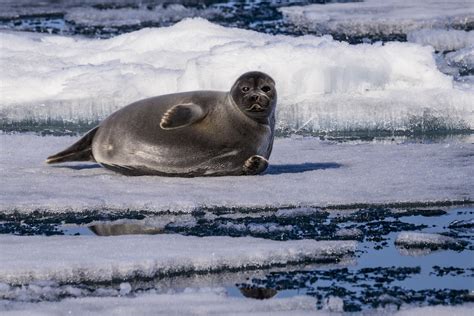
(255,97)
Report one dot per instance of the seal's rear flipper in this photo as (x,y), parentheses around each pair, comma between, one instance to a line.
(182,115)
(80,151)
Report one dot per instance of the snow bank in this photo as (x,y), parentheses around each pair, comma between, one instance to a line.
(189,302)
(427,240)
(71,259)
(322,84)
(381,17)
(303,172)
(442,40)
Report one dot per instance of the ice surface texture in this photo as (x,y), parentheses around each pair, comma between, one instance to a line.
(382,17)
(323,85)
(190,302)
(303,171)
(75,259)
(211,301)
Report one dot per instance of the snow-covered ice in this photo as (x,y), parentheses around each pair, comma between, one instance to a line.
(75,259)
(426,240)
(323,84)
(303,172)
(381,17)
(442,40)
(189,302)
(209,301)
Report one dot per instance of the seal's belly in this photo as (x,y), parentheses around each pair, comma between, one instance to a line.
(184,159)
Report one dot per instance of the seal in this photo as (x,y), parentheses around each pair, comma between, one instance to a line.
(198,133)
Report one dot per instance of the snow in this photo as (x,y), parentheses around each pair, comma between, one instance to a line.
(322,84)
(381,17)
(76,259)
(205,301)
(189,302)
(442,40)
(425,240)
(303,172)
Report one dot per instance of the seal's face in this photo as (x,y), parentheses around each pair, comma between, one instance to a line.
(255,95)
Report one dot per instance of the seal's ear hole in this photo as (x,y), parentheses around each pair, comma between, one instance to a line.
(266,89)
(245,89)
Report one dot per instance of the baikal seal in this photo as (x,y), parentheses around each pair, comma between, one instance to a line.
(188,134)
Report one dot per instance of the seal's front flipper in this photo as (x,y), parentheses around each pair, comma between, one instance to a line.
(255,165)
(182,115)
(80,151)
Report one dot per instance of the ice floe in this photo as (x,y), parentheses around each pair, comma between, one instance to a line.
(76,259)
(323,84)
(374,17)
(303,172)
(427,240)
(206,301)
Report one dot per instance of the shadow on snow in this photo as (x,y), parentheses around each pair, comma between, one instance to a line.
(302,167)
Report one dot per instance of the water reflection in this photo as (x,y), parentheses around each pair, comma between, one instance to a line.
(125,229)
(258,292)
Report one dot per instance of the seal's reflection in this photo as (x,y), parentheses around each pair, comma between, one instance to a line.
(258,293)
(124,229)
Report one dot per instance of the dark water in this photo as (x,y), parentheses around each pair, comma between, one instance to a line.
(380,273)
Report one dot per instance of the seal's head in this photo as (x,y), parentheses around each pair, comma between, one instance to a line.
(255,95)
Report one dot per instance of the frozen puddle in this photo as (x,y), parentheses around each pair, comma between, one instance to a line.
(303,172)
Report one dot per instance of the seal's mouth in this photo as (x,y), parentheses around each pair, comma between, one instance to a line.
(256,108)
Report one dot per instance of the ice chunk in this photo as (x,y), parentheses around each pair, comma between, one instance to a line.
(323,85)
(334,304)
(442,40)
(463,58)
(125,288)
(76,259)
(349,233)
(426,240)
(381,17)
(366,173)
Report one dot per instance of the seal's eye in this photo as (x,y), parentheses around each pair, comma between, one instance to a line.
(245,89)
(266,89)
